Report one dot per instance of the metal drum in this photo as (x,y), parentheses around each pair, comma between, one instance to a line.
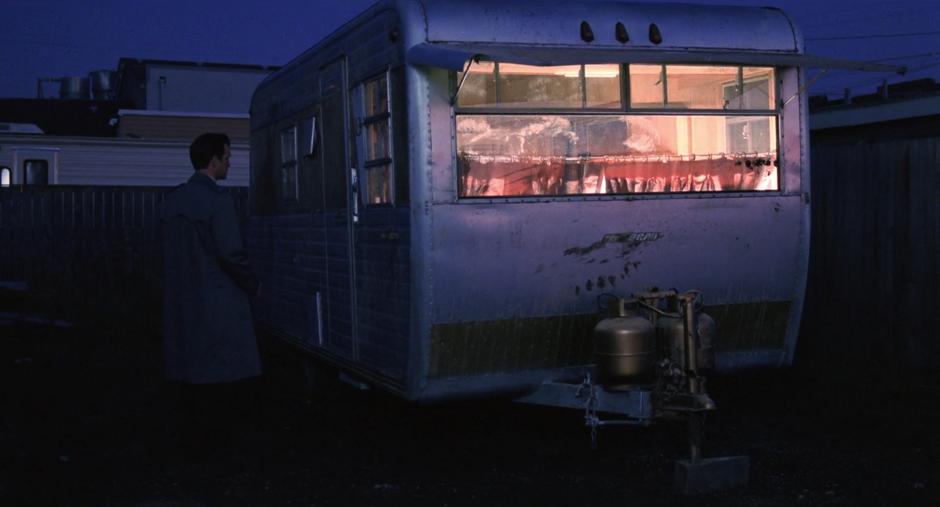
(623,347)
(101,84)
(73,88)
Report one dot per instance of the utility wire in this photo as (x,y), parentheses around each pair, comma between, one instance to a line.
(874,36)
(872,83)
(906,57)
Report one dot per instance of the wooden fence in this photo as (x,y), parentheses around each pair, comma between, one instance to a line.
(87,253)
(872,308)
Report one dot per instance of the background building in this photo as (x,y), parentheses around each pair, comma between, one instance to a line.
(131,126)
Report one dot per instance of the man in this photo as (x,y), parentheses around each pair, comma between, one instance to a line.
(209,339)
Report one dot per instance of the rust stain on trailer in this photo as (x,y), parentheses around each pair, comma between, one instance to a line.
(629,240)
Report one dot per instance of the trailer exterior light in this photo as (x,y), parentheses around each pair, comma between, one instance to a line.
(656,37)
(620,32)
(587,35)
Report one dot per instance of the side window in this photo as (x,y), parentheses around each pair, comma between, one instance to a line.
(37,172)
(289,186)
(512,85)
(6,177)
(311,173)
(309,148)
(378,178)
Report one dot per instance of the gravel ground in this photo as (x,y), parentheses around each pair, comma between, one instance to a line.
(85,419)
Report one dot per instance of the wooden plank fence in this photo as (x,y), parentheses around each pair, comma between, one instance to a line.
(872,309)
(87,253)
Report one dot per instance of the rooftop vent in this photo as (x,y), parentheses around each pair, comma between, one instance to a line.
(620,32)
(656,37)
(587,35)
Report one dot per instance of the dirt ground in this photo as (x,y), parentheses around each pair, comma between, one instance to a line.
(85,419)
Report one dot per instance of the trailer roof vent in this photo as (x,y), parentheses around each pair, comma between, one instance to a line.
(620,32)
(587,35)
(655,36)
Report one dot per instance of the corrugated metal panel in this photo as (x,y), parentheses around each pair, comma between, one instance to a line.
(181,127)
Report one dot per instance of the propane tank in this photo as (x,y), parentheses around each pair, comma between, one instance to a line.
(670,335)
(670,332)
(706,340)
(623,347)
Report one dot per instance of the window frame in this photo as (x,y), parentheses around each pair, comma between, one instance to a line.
(26,179)
(292,164)
(9,174)
(523,110)
(775,114)
(368,165)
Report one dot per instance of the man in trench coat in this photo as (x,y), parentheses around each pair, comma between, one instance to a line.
(209,339)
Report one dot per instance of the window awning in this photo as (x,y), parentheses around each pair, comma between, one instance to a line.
(454,56)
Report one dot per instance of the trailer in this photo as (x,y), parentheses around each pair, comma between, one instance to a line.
(441,190)
(36,159)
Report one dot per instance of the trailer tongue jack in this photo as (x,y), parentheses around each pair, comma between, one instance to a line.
(634,392)
(698,474)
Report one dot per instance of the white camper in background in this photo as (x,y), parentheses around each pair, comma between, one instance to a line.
(36,160)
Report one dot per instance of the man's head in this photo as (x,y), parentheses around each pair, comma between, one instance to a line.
(210,154)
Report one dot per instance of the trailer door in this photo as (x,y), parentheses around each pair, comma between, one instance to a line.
(339,181)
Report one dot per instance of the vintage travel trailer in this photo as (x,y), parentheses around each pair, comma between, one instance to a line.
(30,158)
(441,190)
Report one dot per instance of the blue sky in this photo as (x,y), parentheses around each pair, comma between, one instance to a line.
(50,38)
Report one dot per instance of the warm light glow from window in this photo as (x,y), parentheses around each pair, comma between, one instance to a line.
(517,86)
(526,130)
(535,70)
(378,177)
(527,155)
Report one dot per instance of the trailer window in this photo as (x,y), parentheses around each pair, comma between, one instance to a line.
(6,177)
(757,88)
(684,128)
(515,86)
(37,172)
(530,155)
(377,162)
(289,164)
(310,136)
(703,87)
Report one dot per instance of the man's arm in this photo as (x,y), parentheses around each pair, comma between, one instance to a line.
(228,243)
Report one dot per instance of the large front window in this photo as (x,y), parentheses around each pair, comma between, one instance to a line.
(575,130)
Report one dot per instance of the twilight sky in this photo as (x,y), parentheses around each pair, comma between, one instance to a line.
(56,38)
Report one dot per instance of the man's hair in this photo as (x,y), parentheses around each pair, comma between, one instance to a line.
(205,147)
